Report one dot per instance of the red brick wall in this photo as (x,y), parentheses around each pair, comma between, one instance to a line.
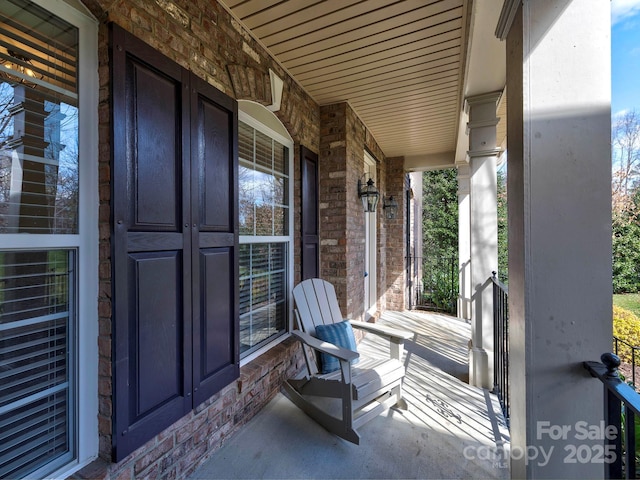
(342,146)
(396,237)
(333,199)
(201,36)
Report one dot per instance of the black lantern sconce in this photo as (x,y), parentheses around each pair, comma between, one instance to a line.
(369,195)
(390,207)
(19,64)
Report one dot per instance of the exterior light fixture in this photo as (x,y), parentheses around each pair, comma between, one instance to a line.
(21,65)
(390,207)
(368,194)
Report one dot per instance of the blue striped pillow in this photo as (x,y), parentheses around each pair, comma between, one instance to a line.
(341,335)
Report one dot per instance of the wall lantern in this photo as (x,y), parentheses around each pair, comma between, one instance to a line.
(390,207)
(368,194)
(20,64)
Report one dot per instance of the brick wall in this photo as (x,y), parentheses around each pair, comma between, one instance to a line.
(180,449)
(333,199)
(396,246)
(200,36)
(342,146)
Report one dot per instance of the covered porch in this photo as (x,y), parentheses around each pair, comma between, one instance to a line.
(450,430)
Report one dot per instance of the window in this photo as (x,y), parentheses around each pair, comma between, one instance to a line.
(48,239)
(265,234)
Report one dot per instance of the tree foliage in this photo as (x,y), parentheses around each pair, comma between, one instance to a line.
(503,241)
(625,189)
(440,237)
(626,247)
(625,153)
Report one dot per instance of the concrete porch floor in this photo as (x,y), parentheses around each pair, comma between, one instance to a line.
(450,430)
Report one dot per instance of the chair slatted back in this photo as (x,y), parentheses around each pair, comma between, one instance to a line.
(316,304)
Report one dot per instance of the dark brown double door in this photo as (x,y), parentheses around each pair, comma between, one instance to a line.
(174,241)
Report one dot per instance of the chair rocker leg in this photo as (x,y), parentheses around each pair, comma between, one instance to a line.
(329,422)
(401,404)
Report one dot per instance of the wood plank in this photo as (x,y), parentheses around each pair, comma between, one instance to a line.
(372,90)
(353,59)
(317,19)
(303,311)
(425,98)
(251,8)
(369,41)
(423,94)
(290,13)
(429,58)
(451,62)
(342,29)
(322,93)
(420,114)
(332,301)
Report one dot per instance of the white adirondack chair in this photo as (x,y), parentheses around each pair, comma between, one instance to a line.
(345,399)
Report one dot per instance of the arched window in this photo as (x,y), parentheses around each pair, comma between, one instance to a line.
(265,222)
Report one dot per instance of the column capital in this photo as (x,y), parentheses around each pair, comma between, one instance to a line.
(482,99)
(482,124)
(492,152)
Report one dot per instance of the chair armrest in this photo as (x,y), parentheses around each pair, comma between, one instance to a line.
(393,334)
(325,347)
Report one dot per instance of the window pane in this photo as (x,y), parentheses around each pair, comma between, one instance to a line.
(246,200)
(38,121)
(36,318)
(263,293)
(264,151)
(264,184)
(245,142)
(281,158)
(264,211)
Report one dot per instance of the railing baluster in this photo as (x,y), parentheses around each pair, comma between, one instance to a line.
(633,366)
(617,394)
(630,442)
(501,344)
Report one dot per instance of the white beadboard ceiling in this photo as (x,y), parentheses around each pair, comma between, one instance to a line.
(399,64)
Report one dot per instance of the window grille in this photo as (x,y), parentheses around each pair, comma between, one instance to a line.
(36,316)
(265,239)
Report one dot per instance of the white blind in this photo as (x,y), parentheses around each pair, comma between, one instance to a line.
(263,295)
(263,184)
(35,371)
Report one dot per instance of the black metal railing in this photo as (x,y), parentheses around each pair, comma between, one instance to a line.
(622,411)
(625,350)
(436,287)
(501,344)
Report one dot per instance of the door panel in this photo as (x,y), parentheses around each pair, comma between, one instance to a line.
(310,233)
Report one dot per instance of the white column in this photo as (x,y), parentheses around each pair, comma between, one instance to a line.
(559,188)
(464,242)
(483,232)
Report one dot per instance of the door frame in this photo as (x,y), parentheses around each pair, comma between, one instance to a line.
(370,246)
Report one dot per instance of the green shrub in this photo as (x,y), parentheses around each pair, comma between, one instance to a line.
(626,327)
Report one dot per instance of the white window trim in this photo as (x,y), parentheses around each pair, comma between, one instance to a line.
(244,239)
(86,395)
(370,283)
